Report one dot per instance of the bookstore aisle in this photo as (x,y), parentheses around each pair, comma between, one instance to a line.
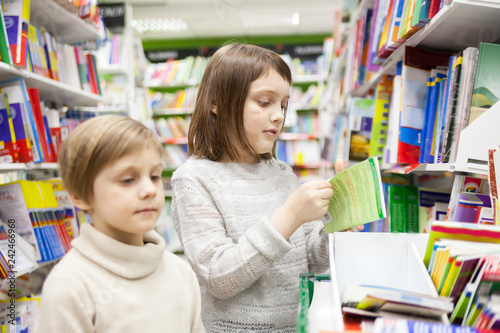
(406,92)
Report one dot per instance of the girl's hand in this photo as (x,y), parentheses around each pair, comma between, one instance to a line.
(310,201)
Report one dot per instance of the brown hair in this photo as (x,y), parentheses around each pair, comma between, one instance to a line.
(225,84)
(97,142)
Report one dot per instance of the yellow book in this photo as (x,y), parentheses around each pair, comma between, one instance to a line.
(437,263)
(442,268)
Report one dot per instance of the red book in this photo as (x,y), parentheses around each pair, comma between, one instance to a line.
(434,8)
(37,112)
(59,134)
(92,73)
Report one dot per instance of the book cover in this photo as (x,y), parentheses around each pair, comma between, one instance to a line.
(391,147)
(361,115)
(14,204)
(469,206)
(19,101)
(381,118)
(8,147)
(40,126)
(358,197)
(397,209)
(450,78)
(24,152)
(467,78)
(486,90)
(451,113)
(5,53)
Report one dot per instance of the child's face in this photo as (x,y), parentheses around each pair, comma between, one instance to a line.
(263,113)
(128,196)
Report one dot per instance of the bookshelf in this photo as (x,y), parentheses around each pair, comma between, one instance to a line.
(459,24)
(61,22)
(65,27)
(116,66)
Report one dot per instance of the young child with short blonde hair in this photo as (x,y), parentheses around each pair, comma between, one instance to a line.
(117,277)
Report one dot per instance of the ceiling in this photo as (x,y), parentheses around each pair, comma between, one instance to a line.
(220,18)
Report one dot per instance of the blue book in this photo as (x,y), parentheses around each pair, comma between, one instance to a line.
(430,120)
(449,89)
(439,118)
(430,86)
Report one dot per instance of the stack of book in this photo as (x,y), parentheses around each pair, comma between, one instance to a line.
(463,260)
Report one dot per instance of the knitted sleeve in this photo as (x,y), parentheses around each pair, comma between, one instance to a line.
(317,247)
(223,266)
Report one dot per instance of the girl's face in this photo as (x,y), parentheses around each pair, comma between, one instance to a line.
(264,112)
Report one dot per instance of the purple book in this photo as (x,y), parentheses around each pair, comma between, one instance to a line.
(469,206)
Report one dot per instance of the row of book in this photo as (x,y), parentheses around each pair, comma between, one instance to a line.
(304,153)
(111,52)
(24,45)
(457,91)
(182,99)
(172,127)
(414,205)
(379,31)
(176,71)
(190,69)
(44,216)
(86,9)
(462,260)
(29,130)
(308,99)
(417,115)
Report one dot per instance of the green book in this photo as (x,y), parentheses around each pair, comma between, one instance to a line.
(397,209)
(358,197)
(411,208)
(4,42)
(486,90)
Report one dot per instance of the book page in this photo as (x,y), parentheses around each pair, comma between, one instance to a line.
(357,197)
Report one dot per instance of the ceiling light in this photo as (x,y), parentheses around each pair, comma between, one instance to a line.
(157,25)
(249,21)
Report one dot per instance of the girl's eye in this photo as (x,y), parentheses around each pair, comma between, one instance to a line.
(155,178)
(284,108)
(127,181)
(264,103)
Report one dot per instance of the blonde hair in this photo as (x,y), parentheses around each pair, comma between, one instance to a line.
(97,142)
(225,84)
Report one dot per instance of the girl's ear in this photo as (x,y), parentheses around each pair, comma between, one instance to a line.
(213,108)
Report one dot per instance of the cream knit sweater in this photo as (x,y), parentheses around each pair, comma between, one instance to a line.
(102,285)
(249,274)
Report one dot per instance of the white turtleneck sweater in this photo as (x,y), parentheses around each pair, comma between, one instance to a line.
(249,274)
(102,285)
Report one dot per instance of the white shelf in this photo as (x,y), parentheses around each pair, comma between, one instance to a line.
(100,109)
(49,89)
(307,78)
(458,25)
(5,167)
(113,70)
(64,25)
(173,111)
